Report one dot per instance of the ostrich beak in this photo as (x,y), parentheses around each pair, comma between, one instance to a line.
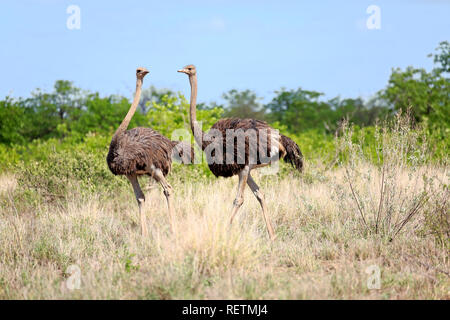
(182,70)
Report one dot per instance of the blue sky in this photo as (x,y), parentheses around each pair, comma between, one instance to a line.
(259,45)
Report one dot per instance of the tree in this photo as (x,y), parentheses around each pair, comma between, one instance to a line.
(442,59)
(104,115)
(427,94)
(243,104)
(357,111)
(153,94)
(46,112)
(12,120)
(299,110)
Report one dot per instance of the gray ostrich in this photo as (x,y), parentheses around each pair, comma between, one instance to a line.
(277,146)
(144,151)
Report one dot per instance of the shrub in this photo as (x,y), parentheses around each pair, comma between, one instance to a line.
(437,217)
(387,205)
(64,170)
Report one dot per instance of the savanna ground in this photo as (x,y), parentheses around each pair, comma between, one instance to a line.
(336,223)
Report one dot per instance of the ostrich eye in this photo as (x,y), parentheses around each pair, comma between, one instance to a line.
(138,71)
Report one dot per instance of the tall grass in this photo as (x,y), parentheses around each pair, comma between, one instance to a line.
(395,190)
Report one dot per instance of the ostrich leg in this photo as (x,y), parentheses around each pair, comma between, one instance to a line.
(260,196)
(239,200)
(168,191)
(140,200)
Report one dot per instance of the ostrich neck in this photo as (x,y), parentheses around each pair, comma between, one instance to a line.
(195,127)
(126,121)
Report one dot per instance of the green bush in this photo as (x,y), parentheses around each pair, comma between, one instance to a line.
(64,172)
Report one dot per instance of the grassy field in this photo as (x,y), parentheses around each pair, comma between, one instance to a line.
(324,249)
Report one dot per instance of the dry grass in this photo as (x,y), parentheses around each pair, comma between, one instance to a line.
(322,249)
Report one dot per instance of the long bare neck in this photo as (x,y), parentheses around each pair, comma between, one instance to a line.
(195,127)
(126,121)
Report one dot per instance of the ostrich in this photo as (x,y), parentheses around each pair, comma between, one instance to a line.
(276,145)
(144,151)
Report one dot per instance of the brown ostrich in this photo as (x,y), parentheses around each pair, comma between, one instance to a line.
(144,151)
(274,147)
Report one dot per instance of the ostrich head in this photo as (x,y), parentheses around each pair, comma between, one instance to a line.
(141,72)
(189,70)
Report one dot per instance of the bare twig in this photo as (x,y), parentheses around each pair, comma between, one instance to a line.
(381,201)
(408,217)
(354,197)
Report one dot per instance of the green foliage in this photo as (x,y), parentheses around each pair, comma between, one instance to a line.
(437,219)
(243,104)
(58,170)
(152,94)
(8,157)
(103,115)
(442,59)
(426,93)
(45,112)
(299,109)
(12,121)
(302,110)
(67,111)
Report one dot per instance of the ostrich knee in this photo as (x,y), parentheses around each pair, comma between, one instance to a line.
(168,191)
(140,199)
(259,196)
(237,203)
